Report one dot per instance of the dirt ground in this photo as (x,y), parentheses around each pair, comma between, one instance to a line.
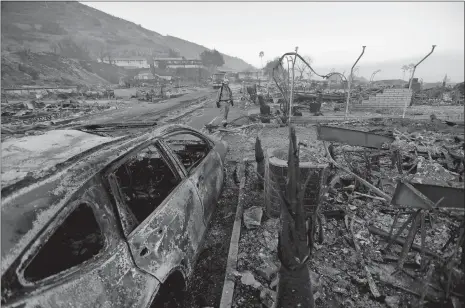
(206,283)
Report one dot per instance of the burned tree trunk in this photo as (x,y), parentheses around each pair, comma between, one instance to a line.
(265,110)
(260,159)
(294,287)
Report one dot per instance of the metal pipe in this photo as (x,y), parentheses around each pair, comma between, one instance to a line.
(350,82)
(303,60)
(288,74)
(411,77)
(372,77)
(292,88)
(342,77)
(279,62)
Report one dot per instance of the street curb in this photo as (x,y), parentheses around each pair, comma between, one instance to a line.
(229,277)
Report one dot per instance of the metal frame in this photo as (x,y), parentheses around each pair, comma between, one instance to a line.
(418,196)
(350,82)
(352,137)
(411,77)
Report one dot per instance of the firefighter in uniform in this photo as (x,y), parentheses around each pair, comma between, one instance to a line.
(223,100)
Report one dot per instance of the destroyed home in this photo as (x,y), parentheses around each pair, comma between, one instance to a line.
(275,167)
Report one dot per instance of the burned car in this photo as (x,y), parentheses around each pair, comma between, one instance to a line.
(95,220)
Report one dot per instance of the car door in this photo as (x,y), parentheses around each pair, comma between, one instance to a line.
(81,259)
(202,164)
(160,210)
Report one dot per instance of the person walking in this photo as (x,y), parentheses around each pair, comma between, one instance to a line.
(223,100)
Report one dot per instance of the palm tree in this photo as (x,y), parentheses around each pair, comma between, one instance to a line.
(261,54)
(404,68)
(410,68)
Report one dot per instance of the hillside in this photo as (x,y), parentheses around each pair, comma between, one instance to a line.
(48,69)
(74,30)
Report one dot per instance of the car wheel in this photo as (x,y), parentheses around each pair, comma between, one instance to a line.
(171,294)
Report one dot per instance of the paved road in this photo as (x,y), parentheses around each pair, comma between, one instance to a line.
(210,112)
(145,111)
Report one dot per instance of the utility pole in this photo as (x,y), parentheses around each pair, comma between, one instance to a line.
(350,82)
(411,77)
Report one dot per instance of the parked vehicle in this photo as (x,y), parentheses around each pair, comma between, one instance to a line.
(95,218)
(217,79)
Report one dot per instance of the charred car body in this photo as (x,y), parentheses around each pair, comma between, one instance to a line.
(106,221)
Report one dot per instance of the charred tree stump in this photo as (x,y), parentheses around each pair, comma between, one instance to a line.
(294,287)
(260,159)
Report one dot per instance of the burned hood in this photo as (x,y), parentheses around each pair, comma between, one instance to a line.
(32,156)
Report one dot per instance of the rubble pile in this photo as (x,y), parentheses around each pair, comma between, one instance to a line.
(160,92)
(440,96)
(352,267)
(25,117)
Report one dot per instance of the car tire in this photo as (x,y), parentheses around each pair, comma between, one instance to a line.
(171,294)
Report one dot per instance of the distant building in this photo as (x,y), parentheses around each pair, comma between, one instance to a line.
(141,62)
(179,62)
(247,75)
(254,75)
(145,75)
(133,62)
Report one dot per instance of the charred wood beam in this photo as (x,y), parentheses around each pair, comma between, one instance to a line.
(401,241)
(353,137)
(361,180)
(408,196)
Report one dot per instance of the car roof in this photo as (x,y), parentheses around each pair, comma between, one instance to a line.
(34,155)
(27,209)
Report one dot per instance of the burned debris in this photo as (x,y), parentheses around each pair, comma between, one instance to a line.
(370,229)
(385,214)
(143,170)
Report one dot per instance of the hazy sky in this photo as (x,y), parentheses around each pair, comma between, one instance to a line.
(332,32)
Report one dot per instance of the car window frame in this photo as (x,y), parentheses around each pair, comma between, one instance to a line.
(45,235)
(113,185)
(178,161)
